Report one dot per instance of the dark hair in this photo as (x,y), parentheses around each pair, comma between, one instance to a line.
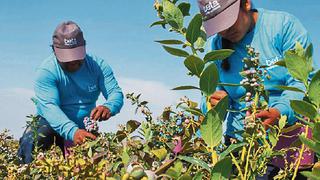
(226,44)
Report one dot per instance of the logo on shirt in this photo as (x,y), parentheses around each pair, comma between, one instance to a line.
(70,42)
(92,88)
(273,60)
(211,6)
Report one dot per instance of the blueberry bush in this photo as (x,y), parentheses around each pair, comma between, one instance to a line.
(184,142)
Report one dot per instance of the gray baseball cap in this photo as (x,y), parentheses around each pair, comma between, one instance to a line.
(68,42)
(218,15)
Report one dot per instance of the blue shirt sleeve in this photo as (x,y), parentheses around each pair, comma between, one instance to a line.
(293,31)
(110,89)
(47,94)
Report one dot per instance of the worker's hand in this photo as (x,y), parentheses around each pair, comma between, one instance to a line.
(100,113)
(81,135)
(269,117)
(216,97)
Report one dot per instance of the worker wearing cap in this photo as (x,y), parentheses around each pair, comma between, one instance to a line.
(67,87)
(234,24)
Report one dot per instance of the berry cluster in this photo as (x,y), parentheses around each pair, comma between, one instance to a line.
(252,74)
(6,145)
(7,154)
(253,77)
(181,119)
(91,125)
(251,71)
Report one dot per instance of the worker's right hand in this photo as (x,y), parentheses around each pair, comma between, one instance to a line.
(81,135)
(216,97)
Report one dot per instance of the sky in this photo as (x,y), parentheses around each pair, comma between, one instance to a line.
(117,31)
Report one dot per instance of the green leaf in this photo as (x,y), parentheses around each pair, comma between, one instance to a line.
(222,107)
(309,51)
(185,177)
(194,64)
(38,176)
(222,169)
(313,91)
(184,8)
(175,171)
(282,121)
(289,88)
(172,15)
(280,63)
(201,41)
(174,1)
(148,133)
(309,62)
(299,49)
(162,23)
(121,135)
(194,161)
(308,55)
(132,125)
(296,143)
(125,157)
(230,149)
(229,84)
(304,108)
(291,128)
(193,111)
(92,143)
(198,176)
(311,144)
(116,166)
(211,129)
(273,136)
(160,153)
(170,41)
(144,103)
(316,168)
(308,123)
(99,149)
(193,31)
(209,80)
(217,55)
(316,132)
(185,88)
(176,52)
(296,66)
(193,105)
(165,166)
(310,175)
(90,153)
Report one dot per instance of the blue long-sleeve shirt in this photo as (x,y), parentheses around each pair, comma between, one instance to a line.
(274,33)
(65,98)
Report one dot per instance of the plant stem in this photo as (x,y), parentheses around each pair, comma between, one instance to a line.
(214,156)
(194,51)
(248,156)
(300,155)
(243,153)
(209,107)
(234,160)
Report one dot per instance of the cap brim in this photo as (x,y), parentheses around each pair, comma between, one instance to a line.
(67,55)
(222,21)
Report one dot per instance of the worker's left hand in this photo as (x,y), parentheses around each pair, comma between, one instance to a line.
(100,113)
(269,117)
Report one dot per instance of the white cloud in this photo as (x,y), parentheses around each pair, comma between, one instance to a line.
(16,104)
(156,93)
(14,107)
